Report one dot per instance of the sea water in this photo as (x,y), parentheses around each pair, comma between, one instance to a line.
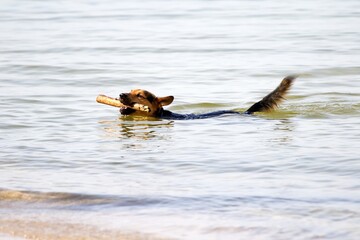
(74,169)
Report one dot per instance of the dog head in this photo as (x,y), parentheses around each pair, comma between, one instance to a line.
(151,104)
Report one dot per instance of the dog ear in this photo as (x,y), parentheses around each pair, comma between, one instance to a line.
(164,101)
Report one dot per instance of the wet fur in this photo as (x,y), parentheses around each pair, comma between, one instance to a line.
(156,104)
(273,99)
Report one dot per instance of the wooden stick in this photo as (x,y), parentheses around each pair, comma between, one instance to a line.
(116,103)
(109,101)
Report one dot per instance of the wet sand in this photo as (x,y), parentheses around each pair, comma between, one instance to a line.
(40,230)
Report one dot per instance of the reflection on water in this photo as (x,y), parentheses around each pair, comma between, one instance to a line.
(283,131)
(135,131)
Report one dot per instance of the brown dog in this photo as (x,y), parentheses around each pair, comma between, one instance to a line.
(154,105)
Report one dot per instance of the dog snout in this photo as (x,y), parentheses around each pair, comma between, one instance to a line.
(123,96)
(125,99)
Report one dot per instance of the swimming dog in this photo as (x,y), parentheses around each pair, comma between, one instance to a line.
(154,105)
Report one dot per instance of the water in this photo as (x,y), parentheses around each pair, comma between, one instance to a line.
(72,168)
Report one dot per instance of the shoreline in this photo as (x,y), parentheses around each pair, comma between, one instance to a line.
(35,215)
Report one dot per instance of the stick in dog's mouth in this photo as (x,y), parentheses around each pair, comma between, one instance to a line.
(136,106)
(115,102)
(141,107)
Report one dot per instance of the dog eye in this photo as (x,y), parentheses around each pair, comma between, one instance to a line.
(139,96)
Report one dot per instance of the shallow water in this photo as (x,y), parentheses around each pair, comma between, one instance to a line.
(68,161)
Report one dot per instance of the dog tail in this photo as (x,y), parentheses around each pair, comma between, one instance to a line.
(273,99)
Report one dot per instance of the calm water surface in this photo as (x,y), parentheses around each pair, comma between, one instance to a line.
(78,169)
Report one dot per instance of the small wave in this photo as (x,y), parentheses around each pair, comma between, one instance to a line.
(334,71)
(291,109)
(30,196)
(74,200)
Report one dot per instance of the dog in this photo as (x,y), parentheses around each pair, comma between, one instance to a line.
(154,105)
